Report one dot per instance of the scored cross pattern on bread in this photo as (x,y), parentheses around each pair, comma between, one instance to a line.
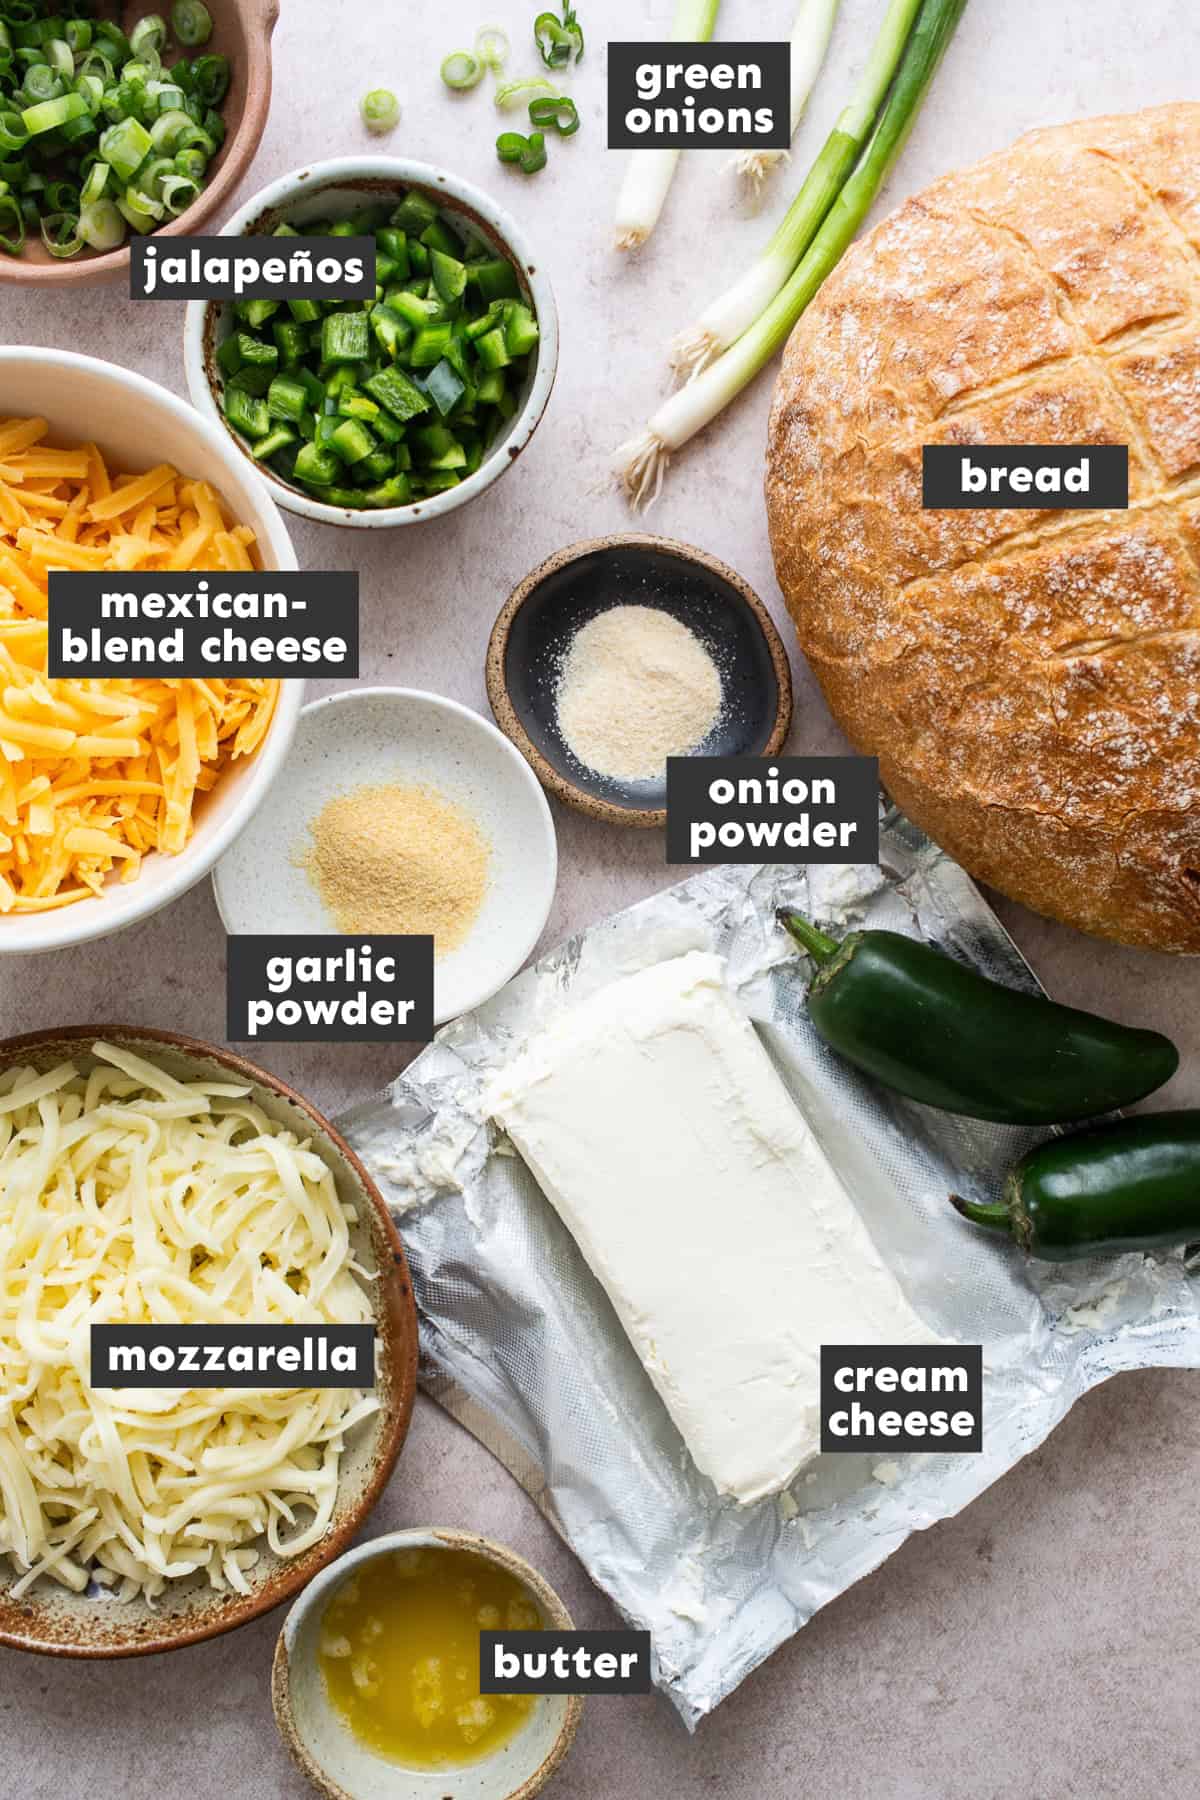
(1030,679)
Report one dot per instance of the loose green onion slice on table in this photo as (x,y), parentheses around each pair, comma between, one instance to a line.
(559,41)
(492,47)
(191,22)
(88,114)
(515,92)
(649,173)
(642,462)
(380,110)
(557,110)
(383,402)
(462,70)
(724,321)
(529,152)
(533,157)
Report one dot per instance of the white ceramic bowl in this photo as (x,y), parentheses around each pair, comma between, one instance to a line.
(340,1767)
(371,737)
(138,424)
(335,189)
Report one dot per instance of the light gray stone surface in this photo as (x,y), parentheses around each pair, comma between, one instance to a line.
(1044,1642)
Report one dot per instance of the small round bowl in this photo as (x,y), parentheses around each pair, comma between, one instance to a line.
(370,737)
(341,1768)
(138,424)
(542,615)
(336,189)
(56,1622)
(242,32)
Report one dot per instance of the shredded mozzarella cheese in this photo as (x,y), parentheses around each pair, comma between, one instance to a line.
(128,1197)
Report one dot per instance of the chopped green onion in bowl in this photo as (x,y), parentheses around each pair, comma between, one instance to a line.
(100,132)
(191,22)
(380,111)
(381,403)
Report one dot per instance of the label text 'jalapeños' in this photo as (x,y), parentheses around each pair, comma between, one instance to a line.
(252,268)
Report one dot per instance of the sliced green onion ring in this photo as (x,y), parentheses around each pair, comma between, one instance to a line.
(48,115)
(62,197)
(211,77)
(559,41)
(101,226)
(60,234)
(11,219)
(380,110)
(14,132)
(492,46)
(144,202)
(513,93)
(534,156)
(178,193)
(558,110)
(148,35)
(191,22)
(94,185)
(511,146)
(168,129)
(58,55)
(462,70)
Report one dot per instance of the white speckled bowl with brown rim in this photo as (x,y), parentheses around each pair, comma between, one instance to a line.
(340,1767)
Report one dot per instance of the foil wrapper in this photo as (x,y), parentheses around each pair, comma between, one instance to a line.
(521,1345)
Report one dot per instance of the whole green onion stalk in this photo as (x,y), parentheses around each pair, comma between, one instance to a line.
(724,321)
(649,173)
(810,40)
(642,462)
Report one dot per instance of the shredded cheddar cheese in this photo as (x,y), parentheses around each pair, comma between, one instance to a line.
(97,773)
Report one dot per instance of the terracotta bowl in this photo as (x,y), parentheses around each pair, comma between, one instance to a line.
(542,614)
(55,1622)
(242,32)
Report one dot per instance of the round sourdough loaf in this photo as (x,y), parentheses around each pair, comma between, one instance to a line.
(1030,680)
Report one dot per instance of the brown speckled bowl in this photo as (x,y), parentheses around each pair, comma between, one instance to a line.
(56,1622)
(242,32)
(341,1768)
(542,614)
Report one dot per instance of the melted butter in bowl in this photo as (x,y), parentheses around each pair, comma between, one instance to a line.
(376,1678)
(399,1651)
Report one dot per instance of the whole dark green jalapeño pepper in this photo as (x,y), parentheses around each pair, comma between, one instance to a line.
(1134,1185)
(933,1029)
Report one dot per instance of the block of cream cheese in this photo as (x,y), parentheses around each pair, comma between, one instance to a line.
(656,1125)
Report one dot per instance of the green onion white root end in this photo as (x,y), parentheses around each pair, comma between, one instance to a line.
(649,173)
(810,41)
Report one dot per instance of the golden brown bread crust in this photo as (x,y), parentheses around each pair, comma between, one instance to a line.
(1029,680)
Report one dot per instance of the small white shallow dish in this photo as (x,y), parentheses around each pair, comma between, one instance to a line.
(342,1768)
(137,425)
(374,737)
